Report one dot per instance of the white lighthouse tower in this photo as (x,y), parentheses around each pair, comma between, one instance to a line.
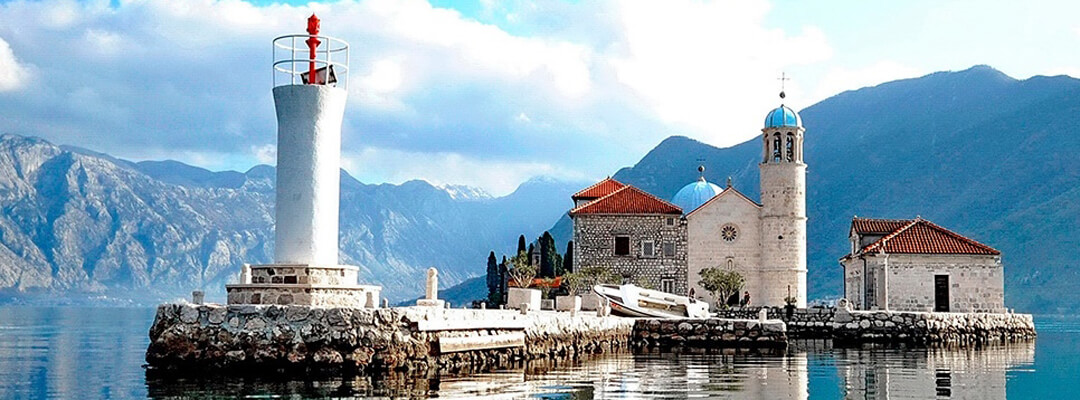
(310,86)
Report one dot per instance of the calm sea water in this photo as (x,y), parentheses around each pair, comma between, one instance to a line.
(76,353)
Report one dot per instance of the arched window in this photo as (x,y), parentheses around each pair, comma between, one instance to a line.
(730,264)
(776,147)
(790,148)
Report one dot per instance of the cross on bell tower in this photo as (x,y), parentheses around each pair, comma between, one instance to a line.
(783,80)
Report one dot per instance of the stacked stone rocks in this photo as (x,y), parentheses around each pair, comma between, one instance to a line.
(709,333)
(917,328)
(266,337)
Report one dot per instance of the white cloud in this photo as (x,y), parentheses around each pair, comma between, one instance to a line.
(495,176)
(711,66)
(265,154)
(12,74)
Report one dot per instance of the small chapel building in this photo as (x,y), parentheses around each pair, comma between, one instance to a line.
(667,244)
(916,265)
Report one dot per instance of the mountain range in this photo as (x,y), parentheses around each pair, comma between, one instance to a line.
(79,225)
(979,152)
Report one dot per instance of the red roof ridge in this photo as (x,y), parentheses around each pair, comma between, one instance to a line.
(958,236)
(575,209)
(582,192)
(918,220)
(884,239)
(669,208)
(714,198)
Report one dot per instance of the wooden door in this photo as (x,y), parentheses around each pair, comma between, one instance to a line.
(941,293)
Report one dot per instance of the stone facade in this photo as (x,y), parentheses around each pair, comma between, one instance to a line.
(285,284)
(906,282)
(594,246)
(783,217)
(707,248)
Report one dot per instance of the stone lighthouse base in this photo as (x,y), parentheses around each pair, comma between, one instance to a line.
(298,284)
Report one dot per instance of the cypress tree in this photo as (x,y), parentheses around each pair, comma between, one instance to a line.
(504,279)
(493,279)
(530,252)
(568,258)
(521,244)
(547,262)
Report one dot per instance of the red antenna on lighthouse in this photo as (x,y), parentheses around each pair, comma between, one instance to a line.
(326,62)
(313,43)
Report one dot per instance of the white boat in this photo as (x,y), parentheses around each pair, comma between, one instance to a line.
(632,301)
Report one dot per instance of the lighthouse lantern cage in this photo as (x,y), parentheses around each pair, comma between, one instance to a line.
(293,62)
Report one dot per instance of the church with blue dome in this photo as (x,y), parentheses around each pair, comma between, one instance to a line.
(665,242)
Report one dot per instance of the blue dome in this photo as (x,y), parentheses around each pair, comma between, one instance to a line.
(692,196)
(782,116)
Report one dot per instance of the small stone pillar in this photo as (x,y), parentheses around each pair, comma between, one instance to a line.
(386,303)
(370,301)
(762,315)
(431,291)
(245,274)
(483,305)
(524,308)
(197,297)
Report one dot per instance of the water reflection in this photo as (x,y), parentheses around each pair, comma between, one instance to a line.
(98,353)
(931,373)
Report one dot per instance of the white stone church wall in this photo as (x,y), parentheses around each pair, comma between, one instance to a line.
(707,249)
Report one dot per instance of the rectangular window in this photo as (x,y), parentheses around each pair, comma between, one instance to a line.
(670,221)
(622,245)
(669,249)
(667,285)
(648,248)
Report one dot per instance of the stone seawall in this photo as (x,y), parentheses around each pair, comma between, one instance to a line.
(250,337)
(710,333)
(917,328)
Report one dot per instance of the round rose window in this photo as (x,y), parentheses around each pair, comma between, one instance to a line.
(729,233)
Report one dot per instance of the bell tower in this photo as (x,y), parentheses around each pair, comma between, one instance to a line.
(783,213)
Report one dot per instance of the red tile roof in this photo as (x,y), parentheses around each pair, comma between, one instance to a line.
(919,236)
(598,190)
(864,226)
(627,200)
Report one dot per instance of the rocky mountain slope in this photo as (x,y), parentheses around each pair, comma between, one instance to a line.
(77,224)
(976,151)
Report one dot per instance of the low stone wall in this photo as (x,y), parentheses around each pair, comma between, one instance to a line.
(918,328)
(260,337)
(709,333)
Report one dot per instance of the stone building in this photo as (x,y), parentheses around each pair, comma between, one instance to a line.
(633,233)
(916,265)
(713,227)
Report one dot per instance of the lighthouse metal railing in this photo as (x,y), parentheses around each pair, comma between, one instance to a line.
(292,61)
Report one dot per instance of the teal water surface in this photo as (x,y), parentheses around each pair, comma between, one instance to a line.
(71,353)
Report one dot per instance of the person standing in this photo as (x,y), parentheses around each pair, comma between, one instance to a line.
(746,299)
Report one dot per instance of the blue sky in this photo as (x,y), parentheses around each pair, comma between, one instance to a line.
(486,93)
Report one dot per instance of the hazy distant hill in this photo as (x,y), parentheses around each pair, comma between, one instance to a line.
(990,156)
(76,223)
